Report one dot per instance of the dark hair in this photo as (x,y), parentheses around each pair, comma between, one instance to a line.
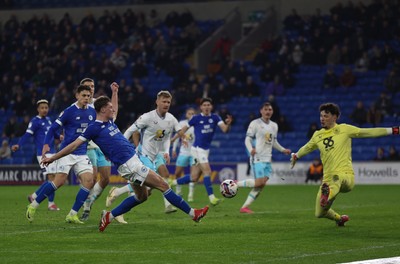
(82,87)
(330,108)
(100,102)
(206,99)
(86,80)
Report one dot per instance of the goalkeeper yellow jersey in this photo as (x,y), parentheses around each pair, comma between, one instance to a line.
(335,145)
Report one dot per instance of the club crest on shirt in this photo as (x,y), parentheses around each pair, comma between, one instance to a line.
(90,117)
(210,120)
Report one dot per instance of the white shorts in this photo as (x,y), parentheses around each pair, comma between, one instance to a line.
(134,171)
(199,155)
(51,169)
(79,163)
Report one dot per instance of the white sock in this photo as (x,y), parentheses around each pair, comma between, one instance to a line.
(50,204)
(251,197)
(166,203)
(122,190)
(191,189)
(34,195)
(211,197)
(191,213)
(246,183)
(178,189)
(72,212)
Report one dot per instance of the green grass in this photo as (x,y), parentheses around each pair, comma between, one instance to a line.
(283,230)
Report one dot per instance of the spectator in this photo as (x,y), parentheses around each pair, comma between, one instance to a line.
(330,79)
(118,59)
(392,82)
(315,171)
(139,69)
(275,87)
(222,49)
(393,154)
(347,79)
(362,63)
(384,104)
(5,150)
(359,114)
(311,129)
(380,154)
(297,55)
(374,116)
(287,78)
(333,57)
(10,128)
(250,88)
(22,126)
(284,125)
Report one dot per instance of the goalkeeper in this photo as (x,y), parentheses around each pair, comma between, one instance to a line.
(334,143)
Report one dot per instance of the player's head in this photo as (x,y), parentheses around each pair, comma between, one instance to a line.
(83,94)
(206,105)
(189,113)
(103,107)
(163,102)
(42,107)
(266,111)
(329,114)
(88,82)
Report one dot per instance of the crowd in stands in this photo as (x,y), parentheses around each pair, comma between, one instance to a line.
(42,58)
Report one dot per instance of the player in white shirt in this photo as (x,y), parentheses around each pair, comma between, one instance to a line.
(261,137)
(151,134)
(184,157)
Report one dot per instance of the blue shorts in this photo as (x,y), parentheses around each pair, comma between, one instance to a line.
(184,161)
(262,169)
(97,158)
(153,165)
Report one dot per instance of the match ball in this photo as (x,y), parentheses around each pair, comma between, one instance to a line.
(228,188)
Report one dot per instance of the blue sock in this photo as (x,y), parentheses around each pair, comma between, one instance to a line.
(41,188)
(176,200)
(80,198)
(185,179)
(48,189)
(125,206)
(207,183)
(51,196)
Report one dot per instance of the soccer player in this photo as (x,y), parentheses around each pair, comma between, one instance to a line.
(204,125)
(334,143)
(184,158)
(73,120)
(261,137)
(38,127)
(155,129)
(122,153)
(101,165)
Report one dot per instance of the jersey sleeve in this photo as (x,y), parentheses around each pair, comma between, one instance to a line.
(142,121)
(129,132)
(310,146)
(89,133)
(356,132)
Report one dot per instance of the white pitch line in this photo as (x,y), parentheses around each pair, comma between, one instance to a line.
(394,260)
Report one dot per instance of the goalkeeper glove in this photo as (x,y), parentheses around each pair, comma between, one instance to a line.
(293,159)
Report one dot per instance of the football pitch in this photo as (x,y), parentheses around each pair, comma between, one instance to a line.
(283,229)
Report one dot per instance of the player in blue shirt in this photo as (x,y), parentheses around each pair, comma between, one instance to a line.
(101,165)
(122,153)
(204,125)
(37,128)
(73,120)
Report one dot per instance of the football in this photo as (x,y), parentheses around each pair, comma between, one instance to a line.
(228,188)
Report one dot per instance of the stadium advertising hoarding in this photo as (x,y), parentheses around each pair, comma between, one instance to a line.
(366,173)
(21,175)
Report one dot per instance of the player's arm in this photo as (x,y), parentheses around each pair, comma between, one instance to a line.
(65,151)
(248,142)
(304,150)
(226,125)
(21,141)
(136,138)
(279,147)
(174,148)
(129,132)
(114,98)
(50,136)
(374,132)
(180,134)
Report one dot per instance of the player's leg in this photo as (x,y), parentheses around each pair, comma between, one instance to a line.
(48,189)
(51,205)
(164,173)
(261,171)
(84,170)
(179,172)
